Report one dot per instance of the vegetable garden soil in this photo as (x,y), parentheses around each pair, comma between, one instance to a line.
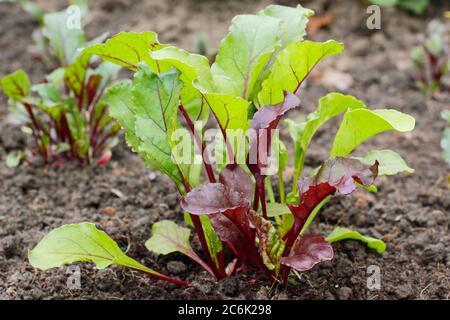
(410,212)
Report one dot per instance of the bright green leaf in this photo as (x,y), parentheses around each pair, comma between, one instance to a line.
(390,162)
(291,67)
(128,49)
(16,85)
(81,242)
(339,234)
(244,52)
(361,124)
(293,21)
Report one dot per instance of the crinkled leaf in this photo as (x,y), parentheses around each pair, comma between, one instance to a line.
(128,49)
(390,162)
(339,234)
(191,67)
(361,124)
(291,67)
(147,110)
(308,251)
(212,198)
(16,85)
(244,52)
(341,173)
(271,245)
(81,242)
(235,178)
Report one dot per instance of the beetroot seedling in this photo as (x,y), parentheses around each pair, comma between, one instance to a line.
(255,81)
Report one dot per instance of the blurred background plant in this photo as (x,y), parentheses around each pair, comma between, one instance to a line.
(415,6)
(430,60)
(66,115)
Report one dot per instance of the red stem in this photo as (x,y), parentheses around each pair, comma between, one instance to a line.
(200,144)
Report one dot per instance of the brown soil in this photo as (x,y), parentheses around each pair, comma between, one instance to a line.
(411,213)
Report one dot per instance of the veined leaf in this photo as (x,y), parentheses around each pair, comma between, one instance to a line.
(85,243)
(245,50)
(191,67)
(330,106)
(128,49)
(293,21)
(390,162)
(147,110)
(308,251)
(16,85)
(291,67)
(75,75)
(230,111)
(339,234)
(361,124)
(168,237)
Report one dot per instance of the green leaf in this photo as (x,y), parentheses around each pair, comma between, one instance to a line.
(147,110)
(339,234)
(128,49)
(390,162)
(230,111)
(75,75)
(16,85)
(64,40)
(244,52)
(81,242)
(275,209)
(330,106)
(361,124)
(291,67)
(191,66)
(167,237)
(13,158)
(293,21)
(212,240)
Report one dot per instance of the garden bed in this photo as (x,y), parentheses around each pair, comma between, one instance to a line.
(410,212)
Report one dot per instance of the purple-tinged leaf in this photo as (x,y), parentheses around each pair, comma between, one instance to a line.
(342,173)
(307,252)
(269,117)
(212,198)
(235,178)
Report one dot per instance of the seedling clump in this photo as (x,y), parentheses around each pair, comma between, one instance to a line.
(255,80)
(67,114)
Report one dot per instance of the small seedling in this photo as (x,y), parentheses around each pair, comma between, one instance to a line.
(431,60)
(66,115)
(255,80)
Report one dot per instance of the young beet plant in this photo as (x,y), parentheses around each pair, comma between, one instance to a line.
(66,115)
(256,78)
(431,59)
